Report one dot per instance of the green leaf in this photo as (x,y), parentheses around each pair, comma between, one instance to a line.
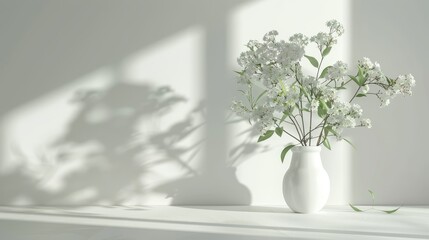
(279,131)
(389,80)
(322,110)
(258,84)
(361,78)
(242,91)
(266,135)
(285,150)
(327,144)
(355,208)
(392,211)
(354,79)
(361,95)
(329,129)
(326,51)
(324,72)
(349,142)
(285,115)
(239,73)
(372,195)
(303,90)
(260,95)
(312,60)
(323,103)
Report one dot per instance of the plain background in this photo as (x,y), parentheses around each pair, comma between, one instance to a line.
(126,102)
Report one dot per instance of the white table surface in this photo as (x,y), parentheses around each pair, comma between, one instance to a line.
(208,222)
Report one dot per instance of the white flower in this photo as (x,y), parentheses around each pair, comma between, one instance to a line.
(344,115)
(348,122)
(239,108)
(327,93)
(313,105)
(335,27)
(253,44)
(372,70)
(273,69)
(291,96)
(365,89)
(289,53)
(377,66)
(270,36)
(404,83)
(366,63)
(325,40)
(270,61)
(262,116)
(385,100)
(282,96)
(375,74)
(338,71)
(269,76)
(309,82)
(322,40)
(366,122)
(299,39)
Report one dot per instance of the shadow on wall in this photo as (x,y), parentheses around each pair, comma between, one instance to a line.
(107,154)
(217,185)
(102,158)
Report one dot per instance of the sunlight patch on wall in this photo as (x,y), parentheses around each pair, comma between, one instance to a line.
(119,135)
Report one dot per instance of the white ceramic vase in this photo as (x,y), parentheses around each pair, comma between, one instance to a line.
(306,184)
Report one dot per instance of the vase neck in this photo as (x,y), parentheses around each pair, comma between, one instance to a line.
(304,158)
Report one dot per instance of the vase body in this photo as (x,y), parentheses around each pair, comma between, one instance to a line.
(306,183)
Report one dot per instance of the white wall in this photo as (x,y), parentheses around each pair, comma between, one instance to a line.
(101,101)
(391,157)
(126,102)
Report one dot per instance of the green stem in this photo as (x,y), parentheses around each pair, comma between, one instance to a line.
(289,134)
(295,123)
(311,120)
(312,130)
(311,112)
(325,137)
(321,131)
(280,121)
(318,69)
(355,94)
(347,82)
(302,122)
(297,80)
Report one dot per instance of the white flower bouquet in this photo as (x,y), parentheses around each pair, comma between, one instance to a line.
(277,93)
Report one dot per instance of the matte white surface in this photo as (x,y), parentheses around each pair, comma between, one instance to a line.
(306,183)
(208,222)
